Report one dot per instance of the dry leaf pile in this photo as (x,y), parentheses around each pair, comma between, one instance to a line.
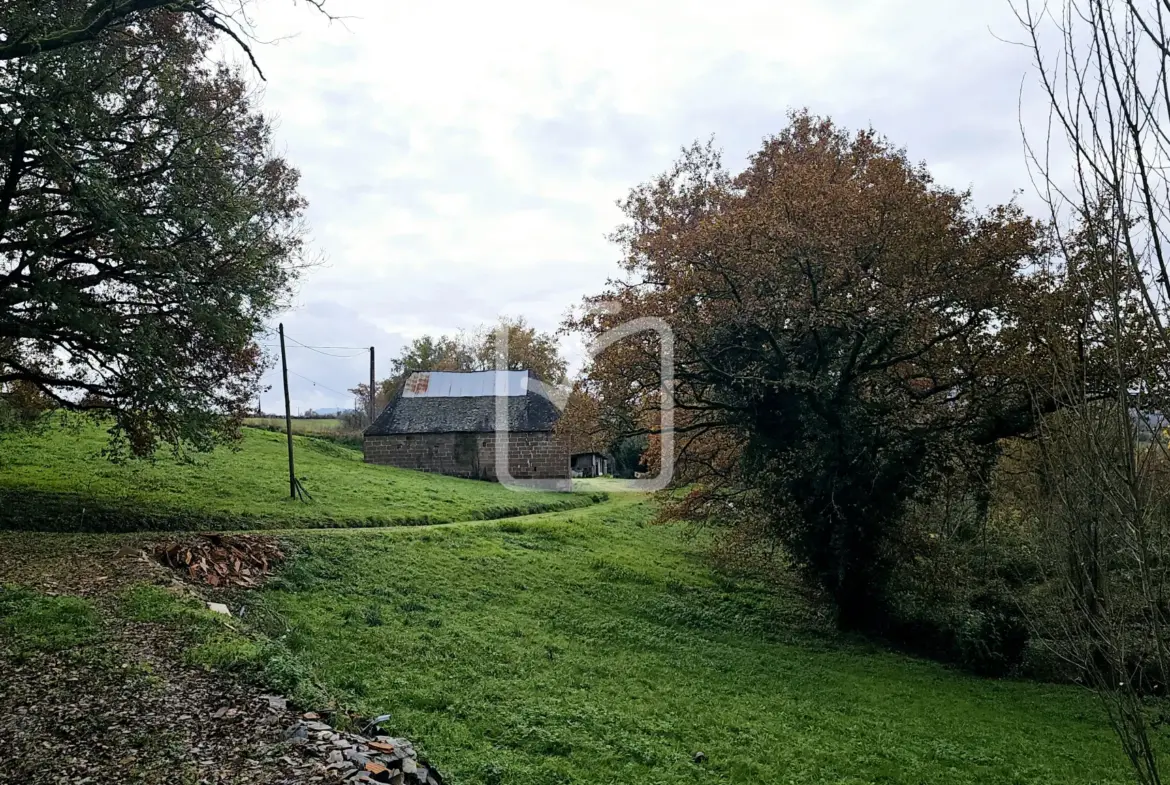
(241,560)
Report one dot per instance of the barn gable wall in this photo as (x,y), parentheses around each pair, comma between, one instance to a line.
(532,455)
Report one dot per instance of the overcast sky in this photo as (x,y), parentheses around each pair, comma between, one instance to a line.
(462,159)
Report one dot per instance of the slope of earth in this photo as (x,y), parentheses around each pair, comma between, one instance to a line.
(58,480)
(594,647)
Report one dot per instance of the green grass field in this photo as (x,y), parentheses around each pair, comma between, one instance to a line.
(58,480)
(585,645)
(315,425)
(593,647)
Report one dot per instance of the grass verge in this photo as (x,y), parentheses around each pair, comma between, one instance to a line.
(222,643)
(591,646)
(58,481)
(35,622)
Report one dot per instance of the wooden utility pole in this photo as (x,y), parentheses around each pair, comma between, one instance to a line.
(373,409)
(292,477)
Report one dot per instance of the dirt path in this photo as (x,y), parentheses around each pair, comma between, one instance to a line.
(126,709)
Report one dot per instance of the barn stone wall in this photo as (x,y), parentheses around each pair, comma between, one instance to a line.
(532,456)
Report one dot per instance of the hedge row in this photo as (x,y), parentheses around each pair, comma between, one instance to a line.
(29,510)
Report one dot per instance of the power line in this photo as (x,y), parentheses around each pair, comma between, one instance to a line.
(315,348)
(361,349)
(318,384)
(318,349)
(358,351)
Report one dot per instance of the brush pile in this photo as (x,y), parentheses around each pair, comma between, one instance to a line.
(222,560)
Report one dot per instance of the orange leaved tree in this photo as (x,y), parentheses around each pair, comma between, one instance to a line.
(846,332)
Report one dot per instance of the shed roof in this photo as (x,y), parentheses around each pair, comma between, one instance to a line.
(437,403)
(473,384)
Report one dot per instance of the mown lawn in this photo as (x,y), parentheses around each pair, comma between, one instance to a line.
(593,647)
(58,480)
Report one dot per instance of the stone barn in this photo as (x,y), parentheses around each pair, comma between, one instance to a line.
(445,422)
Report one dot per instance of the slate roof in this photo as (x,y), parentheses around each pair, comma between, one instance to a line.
(531,411)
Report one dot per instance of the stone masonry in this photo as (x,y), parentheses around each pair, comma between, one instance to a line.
(532,455)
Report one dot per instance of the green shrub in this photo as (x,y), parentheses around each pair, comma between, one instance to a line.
(991,634)
(348,440)
(986,635)
(959,597)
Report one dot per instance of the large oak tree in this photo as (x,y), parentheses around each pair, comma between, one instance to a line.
(846,331)
(147,229)
(33,27)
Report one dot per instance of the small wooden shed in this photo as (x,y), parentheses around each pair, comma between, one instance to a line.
(590,464)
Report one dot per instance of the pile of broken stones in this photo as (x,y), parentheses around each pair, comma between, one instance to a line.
(358,759)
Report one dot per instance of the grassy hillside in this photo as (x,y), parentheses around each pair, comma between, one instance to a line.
(593,647)
(302,425)
(58,480)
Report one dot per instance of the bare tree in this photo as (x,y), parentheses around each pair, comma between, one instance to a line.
(1102,505)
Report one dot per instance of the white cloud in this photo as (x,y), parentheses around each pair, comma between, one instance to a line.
(462,159)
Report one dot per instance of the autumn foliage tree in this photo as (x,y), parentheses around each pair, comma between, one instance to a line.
(581,424)
(147,230)
(528,349)
(846,332)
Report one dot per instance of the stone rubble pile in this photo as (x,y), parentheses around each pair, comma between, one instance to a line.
(357,759)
